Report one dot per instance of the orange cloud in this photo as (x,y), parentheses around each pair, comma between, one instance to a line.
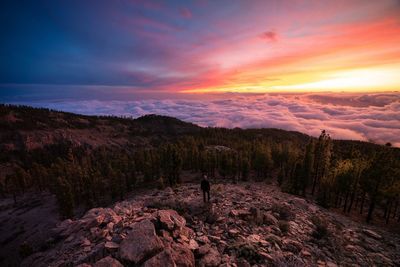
(314,60)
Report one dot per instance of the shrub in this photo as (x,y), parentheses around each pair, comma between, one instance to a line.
(288,261)
(211,216)
(218,188)
(160,183)
(284,212)
(284,226)
(321,227)
(25,250)
(248,252)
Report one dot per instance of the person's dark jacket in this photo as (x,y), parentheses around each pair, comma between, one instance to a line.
(205,185)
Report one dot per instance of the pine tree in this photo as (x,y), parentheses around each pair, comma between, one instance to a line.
(64,197)
(323,153)
(308,166)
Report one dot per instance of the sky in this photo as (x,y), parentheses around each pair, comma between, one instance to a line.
(226,56)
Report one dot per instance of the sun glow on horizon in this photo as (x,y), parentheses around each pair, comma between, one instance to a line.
(352,80)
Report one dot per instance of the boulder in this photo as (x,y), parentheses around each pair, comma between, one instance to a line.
(111,245)
(182,255)
(170,220)
(108,262)
(99,216)
(193,245)
(141,243)
(240,213)
(163,258)
(211,256)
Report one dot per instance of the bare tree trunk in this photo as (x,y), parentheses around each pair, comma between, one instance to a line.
(373,202)
(388,212)
(386,208)
(345,201)
(356,202)
(370,210)
(362,203)
(396,205)
(353,195)
(337,199)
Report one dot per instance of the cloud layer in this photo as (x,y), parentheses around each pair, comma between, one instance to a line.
(369,117)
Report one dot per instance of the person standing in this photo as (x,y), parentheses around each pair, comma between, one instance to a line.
(205,187)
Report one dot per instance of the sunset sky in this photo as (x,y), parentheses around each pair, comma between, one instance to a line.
(67,52)
(202,46)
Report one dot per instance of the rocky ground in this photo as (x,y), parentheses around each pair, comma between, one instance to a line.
(244,225)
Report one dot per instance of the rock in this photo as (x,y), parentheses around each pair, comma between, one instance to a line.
(203,239)
(163,259)
(234,213)
(331,264)
(141,243)
(152,237)
(98,233)
(203,250)
(211,256)
(305,253)
(240,213)
(108,262)
(270,219)
(253,238)
(233,232)
(97,216)
(186,232)
(372,234)
(170,220)
(193,245)
(182,255)
(111,245)
(85,242)
(242,263)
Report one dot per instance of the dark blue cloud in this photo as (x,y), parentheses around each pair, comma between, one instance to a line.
(92,42)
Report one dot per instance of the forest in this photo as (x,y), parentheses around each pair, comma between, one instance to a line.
(350,176)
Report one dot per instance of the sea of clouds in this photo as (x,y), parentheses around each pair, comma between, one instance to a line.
(369,117)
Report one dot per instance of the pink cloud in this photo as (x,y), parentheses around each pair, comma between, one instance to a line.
(269,36)
(186,13)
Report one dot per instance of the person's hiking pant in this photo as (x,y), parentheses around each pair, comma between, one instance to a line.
(204,196)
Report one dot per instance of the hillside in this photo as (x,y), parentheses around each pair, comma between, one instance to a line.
(317,193)
(246,224)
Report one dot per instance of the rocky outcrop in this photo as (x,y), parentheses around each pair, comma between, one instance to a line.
(141,243)
(108,262)
(245,225)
